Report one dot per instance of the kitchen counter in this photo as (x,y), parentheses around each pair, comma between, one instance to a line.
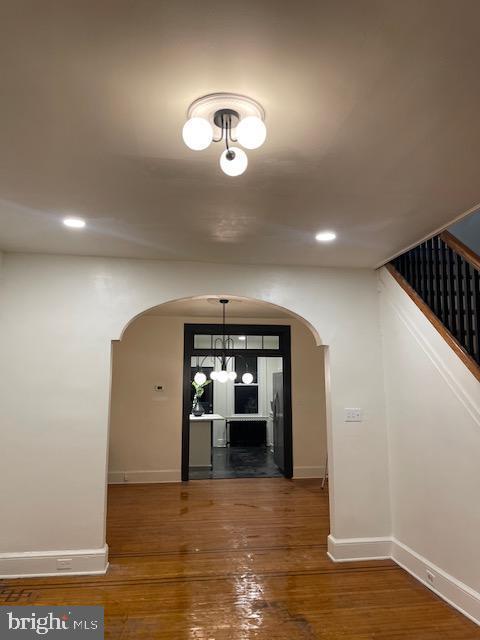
(201,439)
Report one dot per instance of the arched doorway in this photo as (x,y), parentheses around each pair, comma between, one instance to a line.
(161,393)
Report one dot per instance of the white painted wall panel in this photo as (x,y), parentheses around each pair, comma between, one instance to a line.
(57,319)
(434,440)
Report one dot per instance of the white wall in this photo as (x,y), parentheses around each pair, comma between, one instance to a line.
(57,319)
(146,425)
(434,446)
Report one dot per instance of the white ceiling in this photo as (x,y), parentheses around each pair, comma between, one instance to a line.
(211,308)
(372,115)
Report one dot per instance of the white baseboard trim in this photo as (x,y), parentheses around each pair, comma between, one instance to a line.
(351,549)
(308,472)
(139,477)
(40,564)
(456,593)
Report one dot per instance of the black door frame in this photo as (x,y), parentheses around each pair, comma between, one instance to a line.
(284,351)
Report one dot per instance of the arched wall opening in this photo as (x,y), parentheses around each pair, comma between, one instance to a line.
(146,423)
(82,304)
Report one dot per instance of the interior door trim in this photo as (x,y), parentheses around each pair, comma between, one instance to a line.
(284,350)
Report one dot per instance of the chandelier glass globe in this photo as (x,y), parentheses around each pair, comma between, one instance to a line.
(232,375)
(222,376)
(233,161)
(213,375)
(200,377)
(197,133)
(247,378)
(251,132)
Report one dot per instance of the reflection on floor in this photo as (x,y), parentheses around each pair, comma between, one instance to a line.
(239,462)
(240,559)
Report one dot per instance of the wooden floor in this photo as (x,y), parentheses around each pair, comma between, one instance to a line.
(241,560)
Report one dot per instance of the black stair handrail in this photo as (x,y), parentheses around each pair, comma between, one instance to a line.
(449,283)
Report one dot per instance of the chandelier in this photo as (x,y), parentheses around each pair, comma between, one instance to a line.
(226,118)
(220,372)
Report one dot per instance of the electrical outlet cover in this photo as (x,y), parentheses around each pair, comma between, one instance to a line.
(64,564)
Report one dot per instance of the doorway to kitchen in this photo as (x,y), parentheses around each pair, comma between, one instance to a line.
(237,401)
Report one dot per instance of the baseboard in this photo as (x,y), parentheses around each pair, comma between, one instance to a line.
(453,591)
(308,472)
(456,593)
(139,477)
(351,549)
(45,563)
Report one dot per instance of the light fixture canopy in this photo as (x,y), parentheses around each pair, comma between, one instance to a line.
(219,117)
(325,236)
(74,223)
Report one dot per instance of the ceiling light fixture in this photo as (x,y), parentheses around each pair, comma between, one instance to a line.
(325,236)
(74,223)
(224,345)
(230,117)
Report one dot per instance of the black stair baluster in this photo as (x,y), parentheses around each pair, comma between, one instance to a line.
(460,299)
(467,281)
(449,284)
(431,275)
(435,279)
(442,277)
(423,275)
(452,311)
(476,313)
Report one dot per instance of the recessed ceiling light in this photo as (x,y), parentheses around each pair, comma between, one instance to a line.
(74,223)
(325,236)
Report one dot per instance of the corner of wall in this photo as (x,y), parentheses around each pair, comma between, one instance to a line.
(355,549)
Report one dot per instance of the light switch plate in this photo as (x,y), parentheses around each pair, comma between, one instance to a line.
(353,415)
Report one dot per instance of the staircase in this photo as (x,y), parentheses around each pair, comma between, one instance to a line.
(442,276)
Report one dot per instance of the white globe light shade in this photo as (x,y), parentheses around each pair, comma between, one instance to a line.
(251,132)
(222,376)
(232,375)
(200,377)
(235,166)
(197,133)
(247,378)
(213,375)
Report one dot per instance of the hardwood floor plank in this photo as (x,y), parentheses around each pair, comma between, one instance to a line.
(241,559)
